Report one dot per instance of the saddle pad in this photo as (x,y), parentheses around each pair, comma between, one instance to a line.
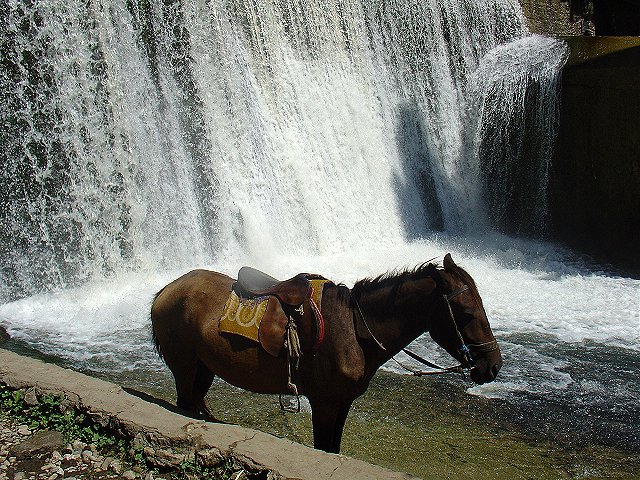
(243,317)
(317,286)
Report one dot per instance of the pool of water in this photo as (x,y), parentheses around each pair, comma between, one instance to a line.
(568,391)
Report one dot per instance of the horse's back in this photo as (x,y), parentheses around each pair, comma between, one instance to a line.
(192,289)
(182,308)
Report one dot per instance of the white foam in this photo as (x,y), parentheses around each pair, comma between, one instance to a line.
(304,144)
(537,296)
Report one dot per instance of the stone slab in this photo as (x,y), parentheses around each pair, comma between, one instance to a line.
(110,403)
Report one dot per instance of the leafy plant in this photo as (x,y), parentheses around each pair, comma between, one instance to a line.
(51,412)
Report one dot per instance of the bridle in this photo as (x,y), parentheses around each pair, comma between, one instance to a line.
(465,350)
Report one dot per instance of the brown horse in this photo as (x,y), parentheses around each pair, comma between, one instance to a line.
(365,327)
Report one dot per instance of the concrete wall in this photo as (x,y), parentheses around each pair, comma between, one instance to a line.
(595,178)
(170,438)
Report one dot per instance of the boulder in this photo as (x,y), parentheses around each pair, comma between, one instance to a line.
(41,443)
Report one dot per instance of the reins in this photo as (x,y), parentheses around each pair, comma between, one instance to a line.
(464,349)
(420,373)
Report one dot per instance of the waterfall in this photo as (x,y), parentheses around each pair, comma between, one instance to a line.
(512,122)
(141,138)
(153,135)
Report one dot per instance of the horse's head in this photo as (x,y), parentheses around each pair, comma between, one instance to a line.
(462,327)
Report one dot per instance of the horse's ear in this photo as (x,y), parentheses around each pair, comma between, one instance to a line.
(448,262)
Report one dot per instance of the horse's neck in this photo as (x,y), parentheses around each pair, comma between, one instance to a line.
(395,319)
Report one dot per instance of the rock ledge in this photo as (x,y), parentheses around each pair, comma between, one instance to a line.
(168,438)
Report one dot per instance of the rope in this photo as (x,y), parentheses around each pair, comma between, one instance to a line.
(294,351)
(293,340)
(484,347)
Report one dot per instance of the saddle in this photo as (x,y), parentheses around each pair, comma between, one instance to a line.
(254,283)
(289,315)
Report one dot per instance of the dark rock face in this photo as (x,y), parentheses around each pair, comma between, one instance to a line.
(4,336)
(614,17)
(551,17)
(595,172)
(595,176)
(579,17)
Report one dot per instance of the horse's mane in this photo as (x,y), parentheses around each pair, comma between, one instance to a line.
(391,281)
(394,278)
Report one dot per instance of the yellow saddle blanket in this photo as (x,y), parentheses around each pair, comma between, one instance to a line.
(243,316)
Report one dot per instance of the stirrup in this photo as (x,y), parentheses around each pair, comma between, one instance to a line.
(284,408)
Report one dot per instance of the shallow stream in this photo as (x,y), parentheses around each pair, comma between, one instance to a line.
(565,405)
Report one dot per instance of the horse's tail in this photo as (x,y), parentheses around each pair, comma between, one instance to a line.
(154,337)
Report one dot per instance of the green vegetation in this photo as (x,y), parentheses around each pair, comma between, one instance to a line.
(55,412)
(52,412)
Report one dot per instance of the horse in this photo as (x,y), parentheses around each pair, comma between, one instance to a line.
(365,326)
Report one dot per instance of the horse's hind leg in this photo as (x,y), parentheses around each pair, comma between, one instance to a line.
(193,380)
(202,383)
(184,367)
(184,376)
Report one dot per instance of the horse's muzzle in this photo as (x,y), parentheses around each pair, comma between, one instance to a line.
(486,368)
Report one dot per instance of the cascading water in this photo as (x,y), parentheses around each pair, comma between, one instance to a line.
(129,122)
(514,117)
(141,139)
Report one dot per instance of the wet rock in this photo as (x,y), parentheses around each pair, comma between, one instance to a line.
(106,463)
(30,397)
(87,456)
(77,447)
(4,336)
(209,457)
(116,466)
(164,458)
(239,475)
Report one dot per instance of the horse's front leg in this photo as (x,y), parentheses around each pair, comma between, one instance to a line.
(328,423)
